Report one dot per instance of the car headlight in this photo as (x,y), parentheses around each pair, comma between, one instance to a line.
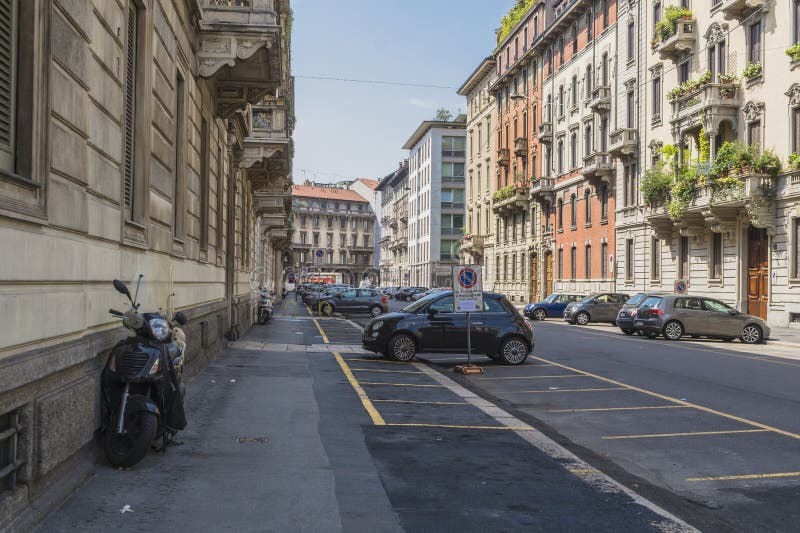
(377,325)
(160,328)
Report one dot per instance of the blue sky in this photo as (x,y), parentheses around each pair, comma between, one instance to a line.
(357,130)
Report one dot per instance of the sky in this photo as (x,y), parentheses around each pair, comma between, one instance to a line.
(354,130)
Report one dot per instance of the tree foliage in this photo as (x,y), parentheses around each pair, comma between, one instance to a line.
(443,115)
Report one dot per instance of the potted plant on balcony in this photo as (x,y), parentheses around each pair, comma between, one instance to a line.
(681,192)
(655,185)
(767,162)
(727,158)
(751,70)
(746,156)
(794,52)
(794,161)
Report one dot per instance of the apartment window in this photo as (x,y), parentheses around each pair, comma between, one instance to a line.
(11,452)
(587,141)
(204,183)
(134,68)
(656,98)
(604,134)
(589,76)
(573,147)
(573,215)
(453,146)
(547,218)
(796,248)
(796,129)
(683,71)
(656,12)
(178,196)
(560,50)
(754,46)
(587,199)
(655,259)
(754,133)
(604,69)
(588,261)
(8,83)
(631,41)
(715,266)
(329,240)
(316,239)
(525,39)
(343,223)
(604,4)
(629,259)
(686,4)
(630,189)
(525,81)
(604,203)
(604,260)
(560,214)
(589,26)
(560,263)
(516,48)
(560,101)
(220,196)
(574,91)
(561,157)
(525,124)
(683,258)
(303,219)
(631,109)
(573,263)
(796,16)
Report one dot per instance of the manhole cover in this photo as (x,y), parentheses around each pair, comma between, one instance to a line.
(252,440)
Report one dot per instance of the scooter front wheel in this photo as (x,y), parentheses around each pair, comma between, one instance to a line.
(124,450)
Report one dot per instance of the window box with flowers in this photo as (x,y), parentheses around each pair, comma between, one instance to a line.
(794,54)
(752,72)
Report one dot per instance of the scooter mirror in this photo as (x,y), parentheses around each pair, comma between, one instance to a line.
(180,318)
(122,288)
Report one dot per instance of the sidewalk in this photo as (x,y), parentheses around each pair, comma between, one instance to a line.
(278,440)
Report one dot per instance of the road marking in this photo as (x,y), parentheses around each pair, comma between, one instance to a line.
(617,409)
(679,402)
(381,383)
(309,310)
(572,390)
(388,371)
(745,476)
(447,426)
(376,417)
(375,360)
(537,377)
(321,332)
(687,434)
(422,403)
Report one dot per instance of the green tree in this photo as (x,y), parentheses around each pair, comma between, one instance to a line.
(443,115)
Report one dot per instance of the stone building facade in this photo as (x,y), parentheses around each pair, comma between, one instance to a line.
(136,137)
(394,190)
(338,223)
(478,243)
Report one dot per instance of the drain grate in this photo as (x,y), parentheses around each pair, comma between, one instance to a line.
(252,440)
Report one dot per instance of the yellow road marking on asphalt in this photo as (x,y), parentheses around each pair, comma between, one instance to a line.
(375,360)
(617,409)
(745,476)
(575,390)
(401,384)
(687,434)
(679,402)
(321,332)
(583,470)
(309,310)
(376,417)
(388,371)
(537,377)
(507,428)
(423,403)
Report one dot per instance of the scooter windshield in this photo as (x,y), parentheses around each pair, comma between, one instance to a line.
(154,293)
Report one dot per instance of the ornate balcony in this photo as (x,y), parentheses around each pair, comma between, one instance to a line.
(271,204)
(521,146)
(597,164)
(472,244)
(601,98)
(624,141)
(516,198)
(546,132)
(680,42)
(503,157)
(711,103)
(542,190)
(266,148)
(739,9)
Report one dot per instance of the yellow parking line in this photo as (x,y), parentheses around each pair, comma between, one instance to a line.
(679,402)
(687,434)
(401,384)
(324,337)
(388,371)
(375,360)
(745,476)
(576,390)
(423,403)
(617,409)
(537,377)
(506,428)
(376,417)
(309,310)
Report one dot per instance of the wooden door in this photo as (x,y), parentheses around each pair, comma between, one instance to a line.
(548,273)
(534,278)
(757,272)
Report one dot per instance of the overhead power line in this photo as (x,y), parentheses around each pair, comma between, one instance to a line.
(377,82)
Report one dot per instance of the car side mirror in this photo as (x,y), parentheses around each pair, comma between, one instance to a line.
(733,312)
(339,296)
(180,318)
(432,312)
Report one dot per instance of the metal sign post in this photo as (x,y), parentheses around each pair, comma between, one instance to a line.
(468,298)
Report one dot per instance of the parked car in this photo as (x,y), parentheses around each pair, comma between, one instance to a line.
(552,307)
(408,293)
(674,316)
(355,301)
(312,299)
(389,291)
(421,295)
(431,325)
(627,312)
(601,307)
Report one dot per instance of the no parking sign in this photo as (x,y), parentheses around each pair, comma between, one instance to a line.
(468,288)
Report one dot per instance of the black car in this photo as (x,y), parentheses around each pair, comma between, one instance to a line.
(431,325)
(407,293)
(627,312)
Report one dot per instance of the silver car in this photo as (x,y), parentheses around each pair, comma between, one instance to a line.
(677,315)
(602,307)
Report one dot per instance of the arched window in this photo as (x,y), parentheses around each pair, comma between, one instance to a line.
(604,202)
(589,80)
(573,204)
(560,214)
(587,198)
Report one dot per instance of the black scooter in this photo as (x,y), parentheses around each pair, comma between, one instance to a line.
(142,392)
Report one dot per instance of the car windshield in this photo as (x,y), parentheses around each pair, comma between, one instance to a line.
(422,302)
(636,298)
(551,298)
(651,301)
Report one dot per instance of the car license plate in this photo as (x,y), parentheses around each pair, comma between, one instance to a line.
(638,322)
(623,315)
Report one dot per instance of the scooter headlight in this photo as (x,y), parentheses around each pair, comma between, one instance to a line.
(160,328)
(156,367)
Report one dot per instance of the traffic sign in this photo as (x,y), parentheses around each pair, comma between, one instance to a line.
(319,256)
(468,288)
(681,287)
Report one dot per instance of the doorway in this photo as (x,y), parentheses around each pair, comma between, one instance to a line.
(548,273)
(757,272)
(534,278)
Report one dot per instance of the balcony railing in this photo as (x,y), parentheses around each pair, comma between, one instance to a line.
(624,141)
(521,146)
(680,42)
(597,164)
(267,121)
(503,157)
(452,231)
(738,9)
(453,179)
(453,153)
(542,189)
(546,132)
(601,98)
(453,205)
(710,98)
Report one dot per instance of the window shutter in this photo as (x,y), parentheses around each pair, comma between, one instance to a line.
(8,59)
(130,108)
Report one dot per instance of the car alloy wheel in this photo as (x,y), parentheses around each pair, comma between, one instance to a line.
(403,348)
(327,310)
(751,334)
(582,318)
(514,351)
(628,331)
(375,310)
(673,330)
(539,314)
